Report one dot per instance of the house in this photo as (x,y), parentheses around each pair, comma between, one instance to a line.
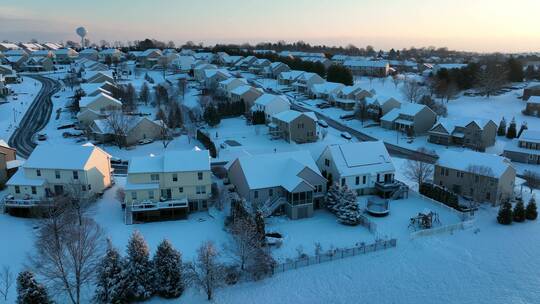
(213,76)
(199,71)
(115,55)
(91,54)
(89,65)
(275,69)
(148,58)
(377,68)
(378,106)
(481,176)
(289,182)
(410,118)
(15,61)
(65,56)
(259,65)
(533,106)
(364,167)
(183,64)
(477,134)
(82,172)
(8,74)
(289,77)
(230,61)
(87,117)
(5,46)
(245,63)
(37,64)
(305,81)
(43,53)
(134,129)
(271,104)
(205,56)
(246,94)
(94,89)
(525,149)
(294,126)
(532,90)
(52,46)
(325,89)
(322,60)
(168,186)
(98,76)
(99,103)
(226,86)
(8,162)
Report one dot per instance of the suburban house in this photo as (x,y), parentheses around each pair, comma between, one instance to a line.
(65,56)
(275,69)
(94,89)
(247,94)
(214,76)
(5,46)
(533,106)
(98,76)
(258,66)
(230,61)
(271,104)
(149,58)
(525,149)
(8,162)
(9,75)
(15,61)
(294,126)
(168,186)
(476,134)
(480,176)
(99,103)
(377,68)
(133,130)
(287,78)
(91,54)
(364,167)
(410,118)
(183,64)
(43,53)
(325,90)
(322,60)
(245,63)
(37,64)
(226,86)
(532,90)
(305,81)
(114,54)
(52,170)
(289,182)
(378,106)
(199,70)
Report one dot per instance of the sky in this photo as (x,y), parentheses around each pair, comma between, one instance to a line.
(469,25)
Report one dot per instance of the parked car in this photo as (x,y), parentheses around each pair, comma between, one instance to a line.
(346,135)
(322,123)
(42,137)
(146,141)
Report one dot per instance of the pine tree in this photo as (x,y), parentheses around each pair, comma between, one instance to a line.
(505,214)
(512,132)
(519,212)
(144,95)
(501,131)
(211,116)
(260,226)
(29,291)
(168,271)
(333,198)
(522,128)
(530,211)
(137,275)
(348,212)
(109,276)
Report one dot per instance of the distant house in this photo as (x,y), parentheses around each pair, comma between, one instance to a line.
(258,66)
(377,68)
(99,103)
(199,70)
(305,81)
(325,89)
(114,54)
(134,129)
(447,66)
(4,88)
(294,126)
(287,78)
(410,118)
(245,63)
(289,182)
(94,89)
(364,167)
(37,64)
(149,58)
(5,46)
(98,76)
(476,134)
(378,106)
(532,90)
(275,69)
(8,162)
(65,56)
(533,106)
(525,149)
(480,176)
(322,60)
(229,61)
(168,186)
(183,64)
(347,97)
(214,76)
(271,104)
(43,53)
(247,94)
(53,170)
(15,61)
(226,86)
(91,54)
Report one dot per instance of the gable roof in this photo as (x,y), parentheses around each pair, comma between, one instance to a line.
(86,101)
(530,136)
(61,157)
(361,158)
(171,161)
(291,115)
(471,161)
(267,99)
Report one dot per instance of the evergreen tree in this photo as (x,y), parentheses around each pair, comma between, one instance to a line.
(339,73)
(109,276)
(522,128)
(530,211)
(29,291)
(160,115)
(260,226)
(519,212)
(144,95)
(168,271)
(211,116)
(137,275)
(515,70)
(501,131)
(333,198)
(348,212)
(512,130)
(505,214)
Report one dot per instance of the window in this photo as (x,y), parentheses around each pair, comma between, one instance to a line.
(175,177)
(457,173)
(89,187)
(181,189)
(75,175)
(327,162)
(270,192)
(364,179)
(83,187)
(38,172)
(200,189)
(57,174)
(357,180)
(154,177)
(319,188)
(151,194)
(134,195)
(200,175)
(204,204)
(342,182)
(255,194)
(34,191)
(17,189)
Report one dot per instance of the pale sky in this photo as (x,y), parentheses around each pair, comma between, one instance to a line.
(471,25)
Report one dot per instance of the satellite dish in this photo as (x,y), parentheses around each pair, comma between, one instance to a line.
(82,32)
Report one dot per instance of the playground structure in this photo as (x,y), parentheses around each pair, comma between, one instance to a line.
(424,221)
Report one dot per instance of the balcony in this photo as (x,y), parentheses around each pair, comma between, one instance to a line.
(12,202)
(149,205)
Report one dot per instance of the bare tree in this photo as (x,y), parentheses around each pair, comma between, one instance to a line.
(119,124)
(165,134)
(6,281)
(361,110)
(245,242)
(491,78)
(532,179)
(396,81)
(412,90)
(207,271)
(418,171)
(67,251)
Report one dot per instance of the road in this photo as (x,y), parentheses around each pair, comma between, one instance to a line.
(36,118)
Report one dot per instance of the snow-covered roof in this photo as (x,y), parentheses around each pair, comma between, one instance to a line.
(451,124)
(346,90)
(276,169)
(513,146)
(291,75)
(534,99)
(86,101)
(9,46)
(449,66)
(241,90)
(103,126)
(471,161)
(266,99)
(326,87)
(19,179)
(60,156)
(407,108)
(88,51)
(530,136)
(361,158)
(171,161)
(109,52)
(366,63)
(148,52)
(4,144)
(290,115)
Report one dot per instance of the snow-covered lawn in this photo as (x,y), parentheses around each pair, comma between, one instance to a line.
(15,106)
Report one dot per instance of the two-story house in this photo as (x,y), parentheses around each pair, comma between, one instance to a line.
(290,182)
(8,162)
(525,149)
(476,134)
(410,118)
(481,176)
(271,104)
(364,167)
(294,126)
(168,186)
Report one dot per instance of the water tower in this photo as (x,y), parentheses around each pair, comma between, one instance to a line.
(82,32)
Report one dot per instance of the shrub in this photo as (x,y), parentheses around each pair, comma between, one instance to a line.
(505,214)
